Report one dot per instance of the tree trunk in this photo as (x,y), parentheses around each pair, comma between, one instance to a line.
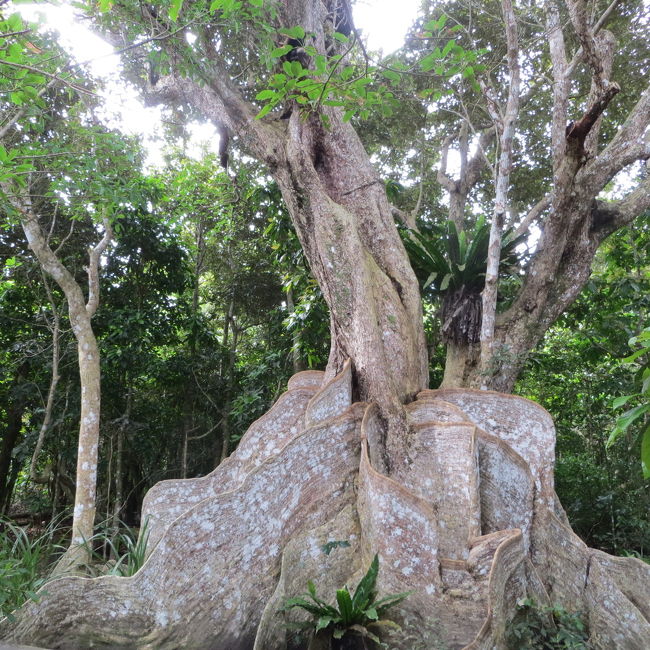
(83,522)
(470,526)
(296,358)
(12,429)
(343,220)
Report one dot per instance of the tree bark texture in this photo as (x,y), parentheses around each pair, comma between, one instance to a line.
(470,526)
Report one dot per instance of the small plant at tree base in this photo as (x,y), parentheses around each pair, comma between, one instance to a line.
(547,628)
(356,614)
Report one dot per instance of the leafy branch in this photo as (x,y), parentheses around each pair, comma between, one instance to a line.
(642,398)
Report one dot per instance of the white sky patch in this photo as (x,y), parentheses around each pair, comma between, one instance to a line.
(122,108)
(385,22)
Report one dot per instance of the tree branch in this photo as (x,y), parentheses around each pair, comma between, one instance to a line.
(533,214)
(560,84)
(93,268)
(631,143)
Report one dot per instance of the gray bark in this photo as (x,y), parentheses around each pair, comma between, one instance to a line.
(80,313)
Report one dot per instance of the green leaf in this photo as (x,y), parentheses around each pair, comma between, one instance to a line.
(391,75)
(634,356)
(366,586)
(645,453)
(265,109)
(623,422)
(620,401)
(322,623)
(175,9)
(312,608)
(391,600)
(447,48)
(296,32)
(266,94)
(444,285)
(346,608)
(430,279)
(281,51)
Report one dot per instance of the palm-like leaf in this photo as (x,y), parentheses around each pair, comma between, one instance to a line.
(446,261)
(364,592)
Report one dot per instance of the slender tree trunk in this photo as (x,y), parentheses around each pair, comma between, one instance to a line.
(505,126)
(49,407)
(12,429)
(80,314)
(230,382)
(118,499)
(11,484)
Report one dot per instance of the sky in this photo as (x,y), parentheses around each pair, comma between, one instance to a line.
(384,27)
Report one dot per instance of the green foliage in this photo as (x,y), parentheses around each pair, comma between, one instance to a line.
(357,84)
(449,260)
(638,358)
(546,628)
(575,373)
(328,547)
(355,614)
(127,548)
(24,562)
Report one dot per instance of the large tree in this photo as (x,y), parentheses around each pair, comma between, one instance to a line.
(453,491)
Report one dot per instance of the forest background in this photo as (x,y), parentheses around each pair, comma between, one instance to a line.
(208,306)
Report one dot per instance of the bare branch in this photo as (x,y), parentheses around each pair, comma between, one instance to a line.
(93,268)
(598,26)
(446,181)
(616,214)
(560,83)
(49,75)
(54,380)
(631,143)
(580,20)
(533,214)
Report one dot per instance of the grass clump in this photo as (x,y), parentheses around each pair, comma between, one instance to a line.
(24,563)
